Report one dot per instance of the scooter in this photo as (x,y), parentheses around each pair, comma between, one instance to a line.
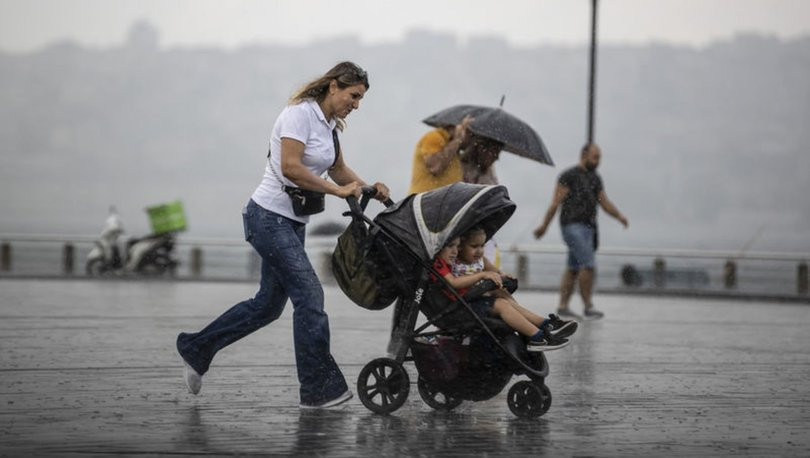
(150,255)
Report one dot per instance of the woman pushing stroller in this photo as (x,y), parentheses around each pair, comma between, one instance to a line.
(462,264)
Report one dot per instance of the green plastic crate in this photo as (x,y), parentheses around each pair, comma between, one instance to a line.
(168,217)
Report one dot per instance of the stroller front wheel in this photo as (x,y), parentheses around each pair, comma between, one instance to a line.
(383,385)
(546,397)
(435,398)
(528,400)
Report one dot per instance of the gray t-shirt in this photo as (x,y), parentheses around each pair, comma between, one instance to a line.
(579,206)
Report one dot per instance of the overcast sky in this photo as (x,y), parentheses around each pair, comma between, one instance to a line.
(26,25)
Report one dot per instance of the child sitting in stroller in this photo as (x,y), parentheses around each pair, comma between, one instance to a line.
(471,260)
(539,331)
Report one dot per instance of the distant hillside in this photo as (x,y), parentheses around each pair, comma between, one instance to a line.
(701,146)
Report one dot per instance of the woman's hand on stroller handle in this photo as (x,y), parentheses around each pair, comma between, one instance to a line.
(352,189)
(381,192)
(378,191)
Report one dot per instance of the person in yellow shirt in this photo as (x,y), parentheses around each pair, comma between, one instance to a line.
(436,160)
(448,155)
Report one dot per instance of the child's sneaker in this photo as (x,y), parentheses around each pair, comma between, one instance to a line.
(592,314)
(546,343)
(560,327)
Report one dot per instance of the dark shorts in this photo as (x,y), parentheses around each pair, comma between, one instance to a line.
(482,306)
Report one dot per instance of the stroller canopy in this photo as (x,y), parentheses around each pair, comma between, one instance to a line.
(426,221)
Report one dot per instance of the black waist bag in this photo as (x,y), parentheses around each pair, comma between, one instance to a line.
(359,270)
(304,201)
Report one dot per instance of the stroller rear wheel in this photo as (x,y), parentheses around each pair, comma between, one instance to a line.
(435,398)
(529,400)
(383,385)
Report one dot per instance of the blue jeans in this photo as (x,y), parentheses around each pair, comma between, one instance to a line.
(580,240)
(286,273)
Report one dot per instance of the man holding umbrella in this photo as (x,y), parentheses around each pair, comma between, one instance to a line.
(450,154)
(466,143)
(579,189)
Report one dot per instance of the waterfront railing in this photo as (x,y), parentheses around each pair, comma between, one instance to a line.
(537,266)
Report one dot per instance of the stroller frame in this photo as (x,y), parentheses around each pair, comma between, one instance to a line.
(383,383)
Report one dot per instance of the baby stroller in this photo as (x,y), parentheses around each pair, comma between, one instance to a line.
(458,355)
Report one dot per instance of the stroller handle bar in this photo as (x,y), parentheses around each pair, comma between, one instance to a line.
(367,192)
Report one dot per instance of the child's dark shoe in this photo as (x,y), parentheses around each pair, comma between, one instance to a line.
(560,327)
(546,342)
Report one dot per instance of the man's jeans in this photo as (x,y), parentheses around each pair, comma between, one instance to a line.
(286,272)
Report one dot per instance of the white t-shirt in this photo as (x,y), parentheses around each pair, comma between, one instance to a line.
(306,123)
(460,269)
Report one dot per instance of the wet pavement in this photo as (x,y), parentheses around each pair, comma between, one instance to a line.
(89,367)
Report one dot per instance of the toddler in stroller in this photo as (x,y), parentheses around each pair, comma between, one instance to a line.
(542,335)
(458,354)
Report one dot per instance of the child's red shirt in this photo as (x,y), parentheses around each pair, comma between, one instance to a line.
(444,268)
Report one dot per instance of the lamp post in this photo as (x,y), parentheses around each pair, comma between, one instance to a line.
(592,72)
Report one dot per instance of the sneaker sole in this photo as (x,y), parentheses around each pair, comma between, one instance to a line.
(187,369)
(538,349)
(186,376)
(330,404)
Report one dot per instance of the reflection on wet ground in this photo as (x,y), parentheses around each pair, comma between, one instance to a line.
(426,433)
(349,432)
(89,368)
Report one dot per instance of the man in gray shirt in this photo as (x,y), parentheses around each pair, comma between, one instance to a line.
(579,189)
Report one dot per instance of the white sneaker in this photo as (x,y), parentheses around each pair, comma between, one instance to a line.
(192,378)
(330,404)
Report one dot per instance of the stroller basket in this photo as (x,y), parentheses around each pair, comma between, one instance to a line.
(439,358)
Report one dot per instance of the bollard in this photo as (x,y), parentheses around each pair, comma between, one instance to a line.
(68,258)
(522,270)
(5,257)
(730,274)
(630,276)
(196,261)
(801,280)
(659,272)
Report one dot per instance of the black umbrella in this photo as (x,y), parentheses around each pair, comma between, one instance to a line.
(496,124)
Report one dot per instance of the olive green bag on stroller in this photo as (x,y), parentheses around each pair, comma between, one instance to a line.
(361,269)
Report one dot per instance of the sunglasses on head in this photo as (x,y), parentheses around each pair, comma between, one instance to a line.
(356,72)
